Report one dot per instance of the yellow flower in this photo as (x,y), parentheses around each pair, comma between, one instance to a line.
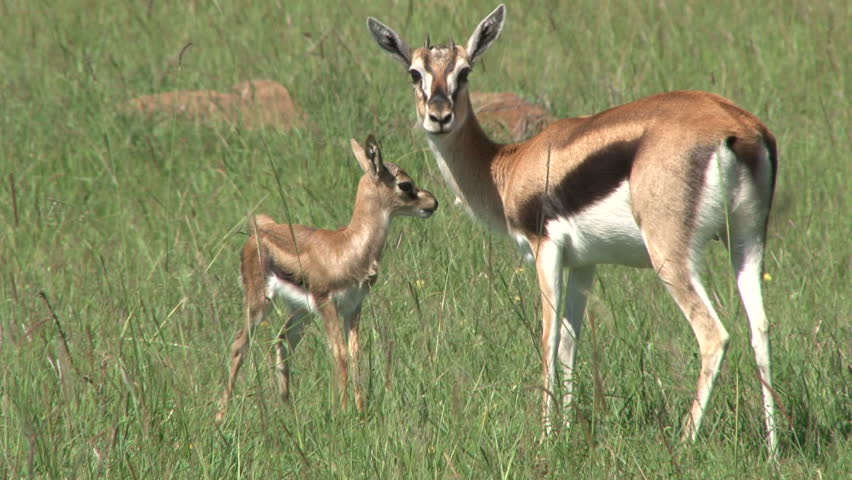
(767,277)
(419,283)
(517,298)
(519,270)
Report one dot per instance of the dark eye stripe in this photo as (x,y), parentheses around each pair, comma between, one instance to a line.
(462,76)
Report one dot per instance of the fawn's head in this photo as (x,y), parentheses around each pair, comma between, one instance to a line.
(394,188)
(440,72)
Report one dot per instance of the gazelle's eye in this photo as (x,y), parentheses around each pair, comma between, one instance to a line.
(406,187)
(461,79)
(415,76)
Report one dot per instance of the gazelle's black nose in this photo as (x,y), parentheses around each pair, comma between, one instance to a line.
(441,118)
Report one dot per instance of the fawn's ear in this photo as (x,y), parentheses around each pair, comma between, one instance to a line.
(360,155)
(370,158)
(486,32)
(390,41)
(374,154)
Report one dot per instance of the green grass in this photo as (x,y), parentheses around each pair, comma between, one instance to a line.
(132,228)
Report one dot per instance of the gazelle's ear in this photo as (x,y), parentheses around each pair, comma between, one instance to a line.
(390,41)
(374,154)
(361,156)
(486,32)
(370,158)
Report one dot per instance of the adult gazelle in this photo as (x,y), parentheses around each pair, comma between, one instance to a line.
(646,184)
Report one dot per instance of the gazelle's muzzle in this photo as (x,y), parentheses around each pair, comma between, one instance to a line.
(428,205)
(439,113)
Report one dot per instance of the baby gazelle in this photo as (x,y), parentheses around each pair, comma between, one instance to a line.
(328,272)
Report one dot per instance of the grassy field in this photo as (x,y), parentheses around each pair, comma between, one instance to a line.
(119,241)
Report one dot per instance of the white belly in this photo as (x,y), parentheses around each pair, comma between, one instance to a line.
(347,301)
(294,296)
(605,232)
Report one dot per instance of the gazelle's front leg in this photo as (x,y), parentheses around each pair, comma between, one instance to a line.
(338,347)
(549,269)
(577,290)
(352,323)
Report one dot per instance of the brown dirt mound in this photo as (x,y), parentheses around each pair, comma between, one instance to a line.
(254,104)
(262,103)
(506,114)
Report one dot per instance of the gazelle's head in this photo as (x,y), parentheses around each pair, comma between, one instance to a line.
(393,188)
(440,72)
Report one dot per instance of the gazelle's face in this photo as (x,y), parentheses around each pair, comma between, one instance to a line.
(440,76)
(440,73)
(394,189)
(405,197)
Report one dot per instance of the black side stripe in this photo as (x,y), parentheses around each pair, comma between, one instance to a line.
(597,176)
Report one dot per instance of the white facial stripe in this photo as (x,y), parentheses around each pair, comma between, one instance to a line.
(425,78)
(417,64)
(451,78)
(427,85)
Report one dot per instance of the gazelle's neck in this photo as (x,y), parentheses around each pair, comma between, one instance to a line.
(467,160)
(365,235)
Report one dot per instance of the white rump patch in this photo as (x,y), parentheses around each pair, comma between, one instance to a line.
(715,207)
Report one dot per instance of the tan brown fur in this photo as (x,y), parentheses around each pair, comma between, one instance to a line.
(644,184)
(325,271)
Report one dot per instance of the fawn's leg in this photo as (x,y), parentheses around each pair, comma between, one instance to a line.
(288,340)
(331,320)
(255,311)
(352,323)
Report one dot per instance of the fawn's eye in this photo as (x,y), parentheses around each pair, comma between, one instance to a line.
(415,76)
(406,187)
(461,79)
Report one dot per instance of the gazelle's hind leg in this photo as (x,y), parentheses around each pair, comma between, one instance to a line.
(255,311)
(682,279)
(286,345)
(748,238)
(748,259)
(675,235)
